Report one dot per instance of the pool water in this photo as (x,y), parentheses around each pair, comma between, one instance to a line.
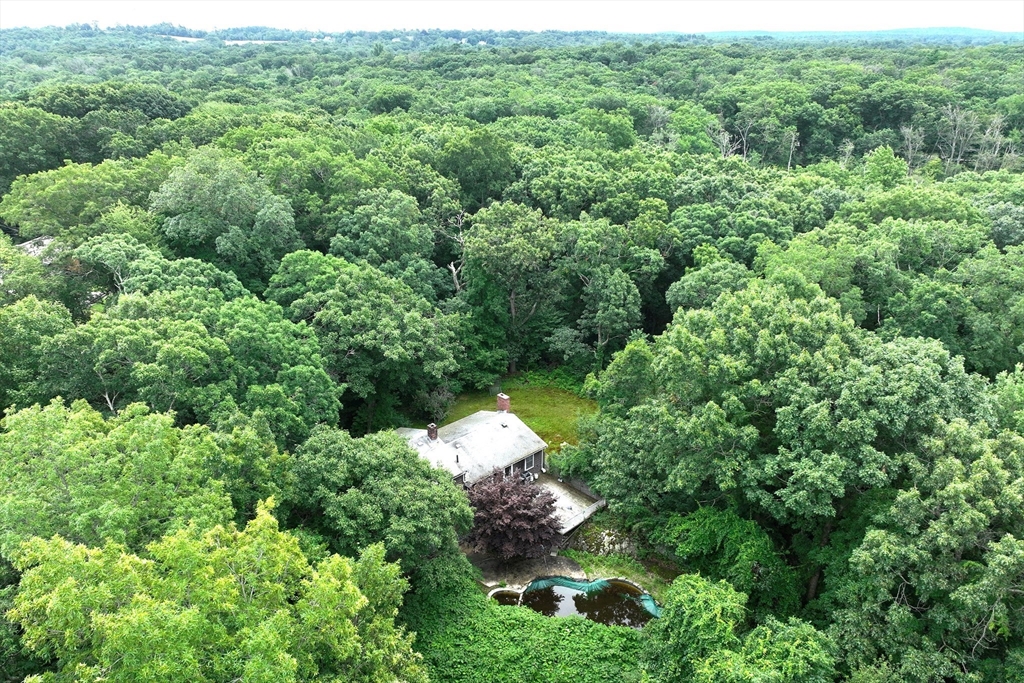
(611,602)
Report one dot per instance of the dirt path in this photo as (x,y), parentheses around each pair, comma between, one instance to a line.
(516,575)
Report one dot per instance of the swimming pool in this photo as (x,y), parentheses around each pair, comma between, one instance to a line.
(607,601)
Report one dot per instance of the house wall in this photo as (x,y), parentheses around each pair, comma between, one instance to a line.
(519,466)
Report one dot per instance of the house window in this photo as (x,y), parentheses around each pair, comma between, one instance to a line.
(460,480)
(508,471)
(529,462)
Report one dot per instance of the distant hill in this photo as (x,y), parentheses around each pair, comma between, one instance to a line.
(419,39)
(537,38)
(916,35)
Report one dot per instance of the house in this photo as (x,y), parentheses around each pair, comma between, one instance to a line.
(473,447)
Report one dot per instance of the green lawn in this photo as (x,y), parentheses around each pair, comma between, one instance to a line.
(549,411)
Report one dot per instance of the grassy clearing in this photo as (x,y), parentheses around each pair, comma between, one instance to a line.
(651,578)
(549,411)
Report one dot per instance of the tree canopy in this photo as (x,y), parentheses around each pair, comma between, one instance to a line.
(214,605)
(788,270)
(512,519)
(354,492)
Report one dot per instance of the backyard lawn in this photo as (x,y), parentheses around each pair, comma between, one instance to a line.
(549,411)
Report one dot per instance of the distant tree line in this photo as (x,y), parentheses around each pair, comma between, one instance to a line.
(790,274)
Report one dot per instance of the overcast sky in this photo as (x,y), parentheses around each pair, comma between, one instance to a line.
(636,16)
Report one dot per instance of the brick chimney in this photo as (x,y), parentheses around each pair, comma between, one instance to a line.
(432,431)
(504,403)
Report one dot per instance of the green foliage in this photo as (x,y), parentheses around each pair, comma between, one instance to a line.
(1007,395)
(33,140)
(698,619)
(735,210)
(24,325)
(722,545)
(834,431)
(387,98)
(615,127)
(480,162)
(16,662)
(384,227)
(76,101)
(191,351)
(214,605)
(317,171)
(793,254)
(128,480)
(21,274)
(910,203)
(699,637)
(128,221)
(702,285)
(355,492)
(466,637)
(509,254)
(557,378)
(383,341)
(61,200)
(953,538)
(122,265)
(216,210)
(929,278)
(883,169)
(388,231)
(779,405)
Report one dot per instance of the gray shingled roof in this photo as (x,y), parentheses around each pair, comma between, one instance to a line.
(477,444)
(436,451)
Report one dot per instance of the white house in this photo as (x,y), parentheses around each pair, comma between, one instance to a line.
(477,445)
(473,447)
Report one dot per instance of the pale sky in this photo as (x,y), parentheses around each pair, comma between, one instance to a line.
(636,16)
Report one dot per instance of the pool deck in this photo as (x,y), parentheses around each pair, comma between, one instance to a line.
(517,575)
(572,507)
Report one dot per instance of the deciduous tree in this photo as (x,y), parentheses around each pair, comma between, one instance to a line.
(224,604)
(355,492)
(510,272)
(702,636)
(383,340)
(130,479)
(217,210)
(512,519)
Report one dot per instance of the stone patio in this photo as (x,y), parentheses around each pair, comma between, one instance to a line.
(572,507)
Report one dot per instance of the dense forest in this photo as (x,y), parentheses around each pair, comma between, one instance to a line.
(790,274)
